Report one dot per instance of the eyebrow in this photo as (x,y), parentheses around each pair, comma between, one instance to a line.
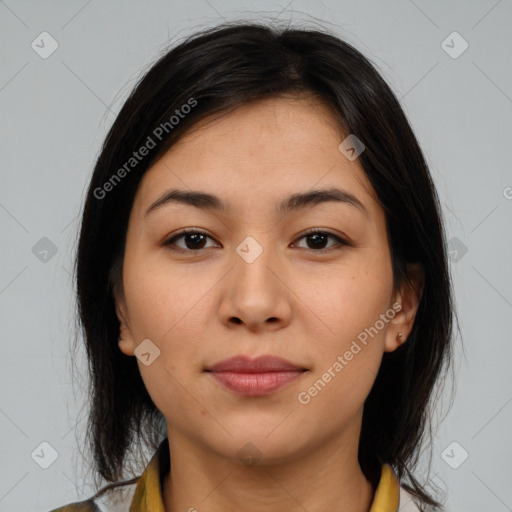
(294,202)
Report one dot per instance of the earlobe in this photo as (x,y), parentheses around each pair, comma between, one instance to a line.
(125,346)
(125,342)
(409,297)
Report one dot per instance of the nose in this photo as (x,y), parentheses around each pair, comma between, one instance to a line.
(254,293)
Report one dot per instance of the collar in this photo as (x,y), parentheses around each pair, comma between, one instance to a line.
(148,493)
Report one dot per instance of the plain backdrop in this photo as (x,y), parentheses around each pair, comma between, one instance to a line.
(450,65)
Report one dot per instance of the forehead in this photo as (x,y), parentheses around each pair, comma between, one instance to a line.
(259,152)
(268,128)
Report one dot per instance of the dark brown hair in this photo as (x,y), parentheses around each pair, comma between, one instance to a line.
(215,71)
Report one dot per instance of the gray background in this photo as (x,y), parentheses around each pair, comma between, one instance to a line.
(55,112)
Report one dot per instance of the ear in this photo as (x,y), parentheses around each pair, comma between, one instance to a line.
(126,342)
(408,297)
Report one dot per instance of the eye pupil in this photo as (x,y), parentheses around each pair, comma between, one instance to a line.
(197,240)
(317,242)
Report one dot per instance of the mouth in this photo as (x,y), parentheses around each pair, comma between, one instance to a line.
(255,377)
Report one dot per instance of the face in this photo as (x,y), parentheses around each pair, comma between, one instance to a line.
(252,280)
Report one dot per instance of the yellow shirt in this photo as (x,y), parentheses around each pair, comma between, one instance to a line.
(145,494)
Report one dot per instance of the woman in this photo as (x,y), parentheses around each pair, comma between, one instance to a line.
(262,268)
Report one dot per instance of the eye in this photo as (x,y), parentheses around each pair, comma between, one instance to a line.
(319,237)
(195,240)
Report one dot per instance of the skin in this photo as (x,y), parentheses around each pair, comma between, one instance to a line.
(292,301)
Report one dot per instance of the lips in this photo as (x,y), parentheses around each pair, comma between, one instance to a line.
(255,377)
(262,364)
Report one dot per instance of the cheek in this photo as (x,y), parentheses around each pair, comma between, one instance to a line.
(166,306)
(346,362)
(161,297)
(164,310)
(348,298)
(350,347)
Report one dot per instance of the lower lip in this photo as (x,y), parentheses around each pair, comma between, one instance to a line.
(256,384)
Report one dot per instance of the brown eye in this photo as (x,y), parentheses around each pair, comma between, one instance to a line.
(317,240)
(194,240)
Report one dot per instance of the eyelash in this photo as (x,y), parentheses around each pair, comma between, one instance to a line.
(192,231)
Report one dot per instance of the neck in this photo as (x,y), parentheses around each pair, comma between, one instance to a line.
(328,477)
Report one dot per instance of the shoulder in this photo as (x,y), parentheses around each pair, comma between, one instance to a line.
(113,498)
(406,502)
(82,506)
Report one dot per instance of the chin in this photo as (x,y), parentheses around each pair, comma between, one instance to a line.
(259,444)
